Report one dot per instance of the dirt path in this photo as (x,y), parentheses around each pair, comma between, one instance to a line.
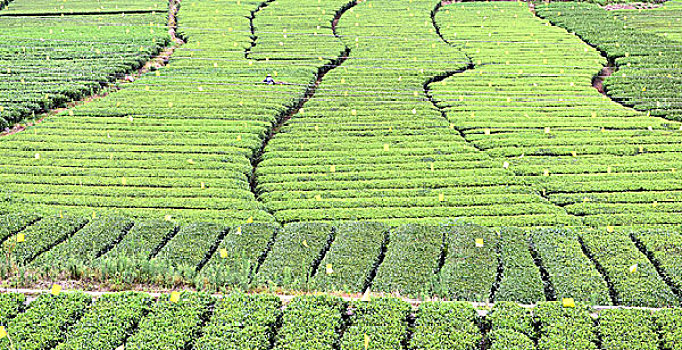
(598,80)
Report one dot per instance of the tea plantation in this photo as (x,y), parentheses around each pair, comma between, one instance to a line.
(335,174)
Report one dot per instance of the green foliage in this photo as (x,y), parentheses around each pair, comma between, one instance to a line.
(663,248)
(311,322)
(245,247)
(380,321)
(107,324)
(661,21)
(81,248)
(297,249)
(634,277)
(411,260)
(622,329)
(565,328)
(446,326)
(521,279)
(241,321)
(189,248)
(571,273)
(670,324)
(10,224)
(75,56)
(171,326)
(633,52)
(46,321)
(11,304)
(469,270)
(141,241)
(511,327)
(352,257)
(42,236)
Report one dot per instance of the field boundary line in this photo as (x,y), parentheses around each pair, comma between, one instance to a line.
(482,307)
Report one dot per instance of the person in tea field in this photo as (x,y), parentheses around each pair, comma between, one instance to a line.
(268,80)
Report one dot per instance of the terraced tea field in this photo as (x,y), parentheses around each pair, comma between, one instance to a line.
(487,154)
(137,321)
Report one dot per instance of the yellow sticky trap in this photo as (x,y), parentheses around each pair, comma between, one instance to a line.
(568,302)
(157,73)
(21,238)
(239,137)
(332,168)
(486,131)
(385,146)
(610,229)
(190,161)
(167,218)
(441,197)
(174,297)
(547,130)
(633,268)
(328,269)
(70,113)
(56,289)
(203,185)
(545,173)
(654,204)
(317,128)
(37,156)
(94,215)
(239,230)
(366,341)
(452,126)
(479,242)
(432,167)
(354,112)
(223,253)
(123,181)
(249,220)
(3,332)
(318,197)
(305,243)
(574,153)
(505,165)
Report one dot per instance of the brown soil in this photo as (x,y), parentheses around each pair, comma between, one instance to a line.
(598,81)
(156,62)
